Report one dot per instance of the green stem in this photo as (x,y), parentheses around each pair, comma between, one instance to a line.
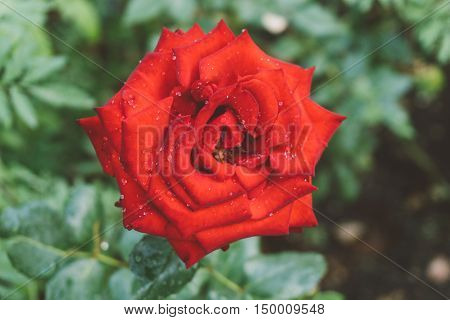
(230,284)
(108,260)
(111,261)
(96,238)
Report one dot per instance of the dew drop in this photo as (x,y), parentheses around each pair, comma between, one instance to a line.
(104,245)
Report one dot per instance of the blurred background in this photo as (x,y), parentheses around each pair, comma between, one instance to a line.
(384,177)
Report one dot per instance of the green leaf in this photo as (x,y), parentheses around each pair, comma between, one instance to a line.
(138,11)
(33,258)
(153,259)
(127,241)
(361,5)
(5,112)
(182,10)
(444,50)
(230,262)
(23,107)
(14,285)
(43,67)
(81,212)
(193,288)
(285,275)
(6,45)
(83,15)
(62,94)
(36,220)
(123,285)
(82,279)
(15,65)
(316,20)
(34,10)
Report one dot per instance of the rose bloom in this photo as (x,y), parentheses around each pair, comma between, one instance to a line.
(211,140)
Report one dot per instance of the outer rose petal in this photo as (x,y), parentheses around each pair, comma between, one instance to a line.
(215,238)
(111,117)
(169,40)
(137,210)
(188,222)
(302,214)
(187,57)
(94,129)
(189,250)
(278,195)
(317,127)
(142,139)
(152,80)
(243,57)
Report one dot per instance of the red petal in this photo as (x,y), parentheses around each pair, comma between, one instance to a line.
(228,121)
(203,188)
(251,178)
(189,56)
(142,139)
(152,80)
(166,201)
(233,211)
(149,222)
(188,222)
(302,214)
(111,117)
(205,113)
(317,127)
(279,194)
(169,40)
(246,107)
(189,250)
(167,174)
(323,125)
(267,101)
(303,87)
(94,129)
(215,238)
(243,57)
(137,210)
(183,104)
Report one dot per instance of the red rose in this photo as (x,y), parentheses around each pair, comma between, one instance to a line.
(211,140)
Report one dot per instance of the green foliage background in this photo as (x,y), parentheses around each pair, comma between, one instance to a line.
(54,197)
